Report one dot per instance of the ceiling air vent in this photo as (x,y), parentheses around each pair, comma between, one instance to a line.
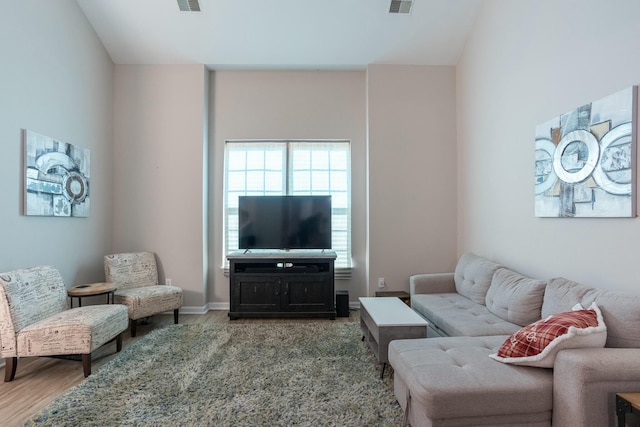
(400,6)
(189,5)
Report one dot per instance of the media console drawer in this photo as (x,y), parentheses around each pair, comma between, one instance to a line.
(282,267)
(270,285)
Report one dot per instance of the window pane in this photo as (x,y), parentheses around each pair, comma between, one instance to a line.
(255,180)
(236,181)
(237,161)
(338,160)
(233,223)
(320,181)
(323,168)
(301,182)
(339,200)
(301,159)
(320,160)
(255,160)
(274,159)
(274,182)
(232,200)
(339,181)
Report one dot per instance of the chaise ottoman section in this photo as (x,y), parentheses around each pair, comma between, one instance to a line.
(453,382)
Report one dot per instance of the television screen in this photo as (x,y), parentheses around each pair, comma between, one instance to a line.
(284,222)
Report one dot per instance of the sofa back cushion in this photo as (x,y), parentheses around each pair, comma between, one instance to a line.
(514,297)
(31,295)
(131,270)
(473,276)
(620,311)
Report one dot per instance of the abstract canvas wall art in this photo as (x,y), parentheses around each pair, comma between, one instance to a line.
(585,160)
(57,176)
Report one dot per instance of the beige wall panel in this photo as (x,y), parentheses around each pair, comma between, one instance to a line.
(525,63)
(412,172)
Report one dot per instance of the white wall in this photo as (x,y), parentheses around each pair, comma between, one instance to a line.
(411,171)
(56,79)
(159,171)
(286,105)
(527,62)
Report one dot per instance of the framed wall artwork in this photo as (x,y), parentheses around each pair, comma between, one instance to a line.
(57,176)
(585,160)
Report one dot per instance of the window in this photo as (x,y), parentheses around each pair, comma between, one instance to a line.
(255,168)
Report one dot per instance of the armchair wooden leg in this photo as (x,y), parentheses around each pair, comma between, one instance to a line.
(119,342)
(86,364)
(10,365)
(134,324)
(175,316)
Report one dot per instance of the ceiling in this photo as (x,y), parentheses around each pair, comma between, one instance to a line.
(282,34)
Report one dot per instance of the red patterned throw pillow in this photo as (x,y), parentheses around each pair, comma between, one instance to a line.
(538,343)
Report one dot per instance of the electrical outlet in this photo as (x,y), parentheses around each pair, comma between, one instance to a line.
(167,282)
(381,284)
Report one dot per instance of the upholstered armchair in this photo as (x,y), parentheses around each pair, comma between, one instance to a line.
(136,276)
(35,320)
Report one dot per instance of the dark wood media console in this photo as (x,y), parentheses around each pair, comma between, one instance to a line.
(282,284)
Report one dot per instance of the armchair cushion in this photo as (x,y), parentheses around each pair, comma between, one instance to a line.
(149,300)
(28,302)
(131,270)
(67,332)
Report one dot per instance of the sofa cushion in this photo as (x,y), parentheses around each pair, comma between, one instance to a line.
(454,378)
(620,311)
(514,297)
(455,315)
(473,275)
(537,344)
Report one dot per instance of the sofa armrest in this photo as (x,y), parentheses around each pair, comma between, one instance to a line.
(437,283)
(585,382)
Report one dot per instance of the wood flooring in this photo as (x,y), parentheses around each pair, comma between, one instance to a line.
(39,380)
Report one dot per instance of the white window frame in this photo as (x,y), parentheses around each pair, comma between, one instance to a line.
(255,181)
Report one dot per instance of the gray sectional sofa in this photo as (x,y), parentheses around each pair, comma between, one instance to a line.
(449,379)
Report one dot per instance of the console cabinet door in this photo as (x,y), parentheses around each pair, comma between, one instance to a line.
(307,293)
(256,293)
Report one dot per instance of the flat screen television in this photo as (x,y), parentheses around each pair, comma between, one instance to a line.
(284,222)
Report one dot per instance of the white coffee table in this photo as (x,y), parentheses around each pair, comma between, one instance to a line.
(384,319)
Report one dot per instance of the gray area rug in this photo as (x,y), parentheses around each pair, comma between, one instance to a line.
(278,374)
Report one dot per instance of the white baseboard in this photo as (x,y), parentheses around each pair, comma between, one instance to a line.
(194,310)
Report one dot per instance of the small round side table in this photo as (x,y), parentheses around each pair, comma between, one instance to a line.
(90,290)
